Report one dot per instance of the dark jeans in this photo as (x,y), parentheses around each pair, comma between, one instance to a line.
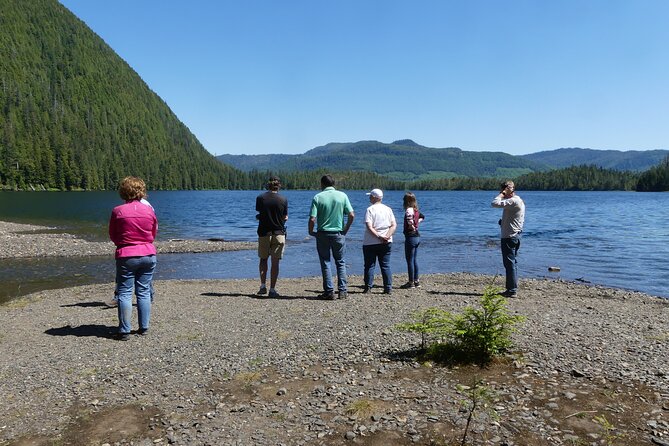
(509,252)
(334,242)
(381,252)
(411,244)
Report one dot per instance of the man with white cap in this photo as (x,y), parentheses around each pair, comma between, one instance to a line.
(380,225)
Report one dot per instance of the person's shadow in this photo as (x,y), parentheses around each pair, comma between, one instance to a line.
(263,296)
(89,304)
(95,330)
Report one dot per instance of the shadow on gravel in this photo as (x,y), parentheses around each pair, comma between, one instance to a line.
(88,304)
(265,296)
(447,293)
(100,331)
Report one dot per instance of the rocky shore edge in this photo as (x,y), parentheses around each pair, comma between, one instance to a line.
(19,240)
(223,366)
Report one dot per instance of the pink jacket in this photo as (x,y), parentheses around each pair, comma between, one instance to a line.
(132,228)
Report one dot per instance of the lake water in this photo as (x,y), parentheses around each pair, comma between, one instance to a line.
(618,239)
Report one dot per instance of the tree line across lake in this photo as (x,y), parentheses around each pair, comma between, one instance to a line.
(75,116)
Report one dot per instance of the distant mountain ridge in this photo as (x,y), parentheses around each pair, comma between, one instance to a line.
(632,160)
(400,160)
(409,161)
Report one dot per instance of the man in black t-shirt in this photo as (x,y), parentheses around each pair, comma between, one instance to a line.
(272,211)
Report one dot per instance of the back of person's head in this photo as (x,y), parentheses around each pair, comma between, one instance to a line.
(410,201)
(132,188)
(273,183)
(506,184)
(327,181)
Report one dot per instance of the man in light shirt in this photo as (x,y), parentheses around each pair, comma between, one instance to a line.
(380,225)
(511,226)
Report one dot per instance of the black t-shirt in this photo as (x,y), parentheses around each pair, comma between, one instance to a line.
(272,211)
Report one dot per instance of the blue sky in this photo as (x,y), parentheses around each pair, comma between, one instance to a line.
(516,76)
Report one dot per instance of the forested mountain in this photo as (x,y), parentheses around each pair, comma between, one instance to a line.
(400,160)
(74,115)
(655,179)
(578,178)
(610,159)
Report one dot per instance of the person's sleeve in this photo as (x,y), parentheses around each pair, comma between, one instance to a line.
(314,210)
(502,203)
(347,207)
(258,203)
(113,229)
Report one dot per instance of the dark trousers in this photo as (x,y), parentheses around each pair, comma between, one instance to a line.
(509,252)
(380,252)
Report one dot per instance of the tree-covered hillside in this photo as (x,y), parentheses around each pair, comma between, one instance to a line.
(400,160)
(74,115)
(578,178)
(632,160)
(655,179)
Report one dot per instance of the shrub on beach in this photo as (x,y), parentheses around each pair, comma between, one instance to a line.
(475,335)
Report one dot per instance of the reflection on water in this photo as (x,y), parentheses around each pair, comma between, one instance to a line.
(617,239)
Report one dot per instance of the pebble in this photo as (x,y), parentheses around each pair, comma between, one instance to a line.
(290,371)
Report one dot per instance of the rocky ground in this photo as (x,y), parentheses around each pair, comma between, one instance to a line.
(223,366)
(21,240)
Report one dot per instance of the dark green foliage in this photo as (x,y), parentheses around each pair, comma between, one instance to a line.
(578,178)
(656,179)
(406,158)
(609,159)
(74,115)
(475,335)
(311,180)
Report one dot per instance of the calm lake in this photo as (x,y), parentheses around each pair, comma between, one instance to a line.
(618,239)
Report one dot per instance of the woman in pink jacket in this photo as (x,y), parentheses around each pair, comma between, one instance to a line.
(132,228)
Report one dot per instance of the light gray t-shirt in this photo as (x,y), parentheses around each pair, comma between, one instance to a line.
(381,218)
(513,215)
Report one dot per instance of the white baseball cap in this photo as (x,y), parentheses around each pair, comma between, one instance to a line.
(378,193)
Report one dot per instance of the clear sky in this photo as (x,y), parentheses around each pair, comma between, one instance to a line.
(518,76)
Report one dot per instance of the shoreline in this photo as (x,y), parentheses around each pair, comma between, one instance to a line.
(18,240)
(224,366)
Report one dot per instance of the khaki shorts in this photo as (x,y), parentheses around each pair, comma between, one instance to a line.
(271,245)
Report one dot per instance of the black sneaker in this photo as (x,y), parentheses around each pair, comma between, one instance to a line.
(416,284)
(143,331)
(509,294)
(388,291)
(366,290)
(327,295)
(343,294)
(408,285)
(122,336)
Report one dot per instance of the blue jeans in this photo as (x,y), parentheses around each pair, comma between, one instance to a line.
(137,273)
(411,244)
(334,242)
(381,252)
(509,252)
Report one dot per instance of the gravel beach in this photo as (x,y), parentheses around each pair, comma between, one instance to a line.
(223,366)
(23,240)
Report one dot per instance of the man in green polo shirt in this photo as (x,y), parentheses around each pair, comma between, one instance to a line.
(327,214)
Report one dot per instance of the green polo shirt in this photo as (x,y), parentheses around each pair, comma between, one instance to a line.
(329,208)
